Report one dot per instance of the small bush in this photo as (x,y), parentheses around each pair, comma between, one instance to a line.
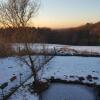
(40,86)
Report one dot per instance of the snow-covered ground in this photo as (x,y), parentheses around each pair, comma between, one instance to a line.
(71,68)
(64,68)
(79,50)
(23,93)
(14,72)
(60,49)
(86,48)
(60,67)
(10,67)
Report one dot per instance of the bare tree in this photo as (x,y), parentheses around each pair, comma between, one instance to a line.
(30,61)
(28,56)
(32,55)
(17,13)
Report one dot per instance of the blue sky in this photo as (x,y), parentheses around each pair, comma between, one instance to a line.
(67,13)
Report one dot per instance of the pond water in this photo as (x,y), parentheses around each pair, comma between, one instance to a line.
(58,91)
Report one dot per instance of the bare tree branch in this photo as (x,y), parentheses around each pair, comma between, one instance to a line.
(17,13)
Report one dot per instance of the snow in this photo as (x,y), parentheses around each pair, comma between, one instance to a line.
(60,67)
(12,66)
(71,68)
(65,68)
(59,49)
(86,48)
(23,93)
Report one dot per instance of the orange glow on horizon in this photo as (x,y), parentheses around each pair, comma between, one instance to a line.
(56,25)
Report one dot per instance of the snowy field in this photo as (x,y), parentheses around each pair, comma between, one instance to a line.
(60,49)
(13,72)
(64,68)
(86,48)
(71,68)
(23,93)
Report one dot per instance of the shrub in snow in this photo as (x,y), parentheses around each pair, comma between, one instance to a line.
(39,86)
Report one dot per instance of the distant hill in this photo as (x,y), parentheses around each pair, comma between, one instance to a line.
(88,34)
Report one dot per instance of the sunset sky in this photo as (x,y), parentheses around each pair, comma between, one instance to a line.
(67,13)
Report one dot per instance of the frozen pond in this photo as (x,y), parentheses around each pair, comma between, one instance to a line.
(58,91)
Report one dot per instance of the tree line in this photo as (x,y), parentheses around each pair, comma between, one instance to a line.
(88,34)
